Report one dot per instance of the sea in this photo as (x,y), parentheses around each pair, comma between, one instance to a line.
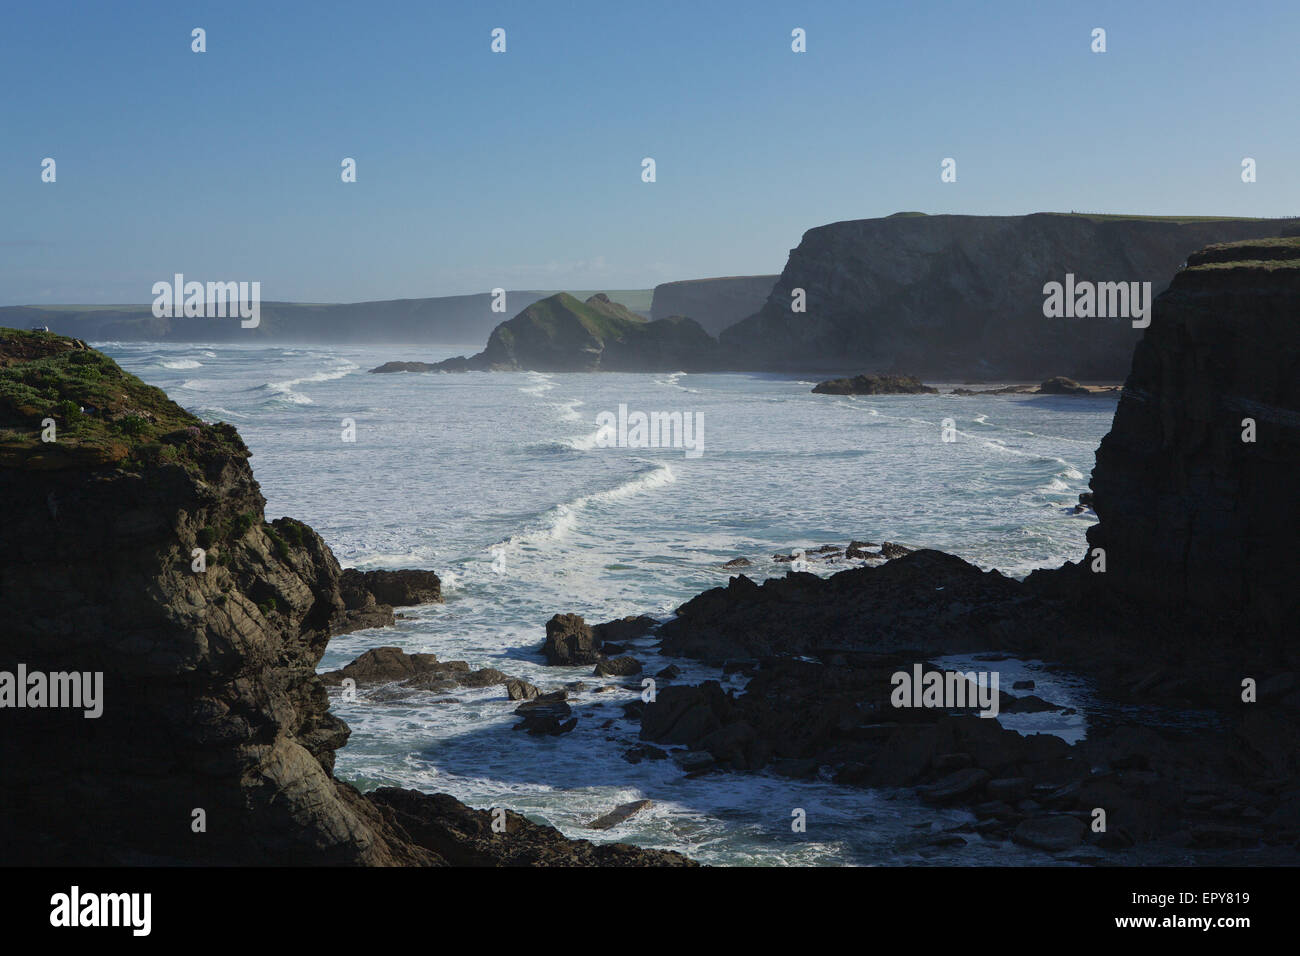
(504,484)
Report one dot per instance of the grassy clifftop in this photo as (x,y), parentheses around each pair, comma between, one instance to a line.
(599,316)
(101,415)
(1268,254)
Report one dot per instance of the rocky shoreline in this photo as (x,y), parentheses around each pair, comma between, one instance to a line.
(1182,602)
(137,549)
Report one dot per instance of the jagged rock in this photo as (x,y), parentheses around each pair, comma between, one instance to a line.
(624,629)
(518,689)
(738,563)
(1194,520)
(693,761)
(211,696)
(382,664)
(644,752)
(403,588)
(570,642)
(462,836)
(547,714)
(617,667)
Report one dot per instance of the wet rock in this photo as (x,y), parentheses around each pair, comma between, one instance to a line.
(546,715)
(684,715)
(738,563)
(404,588)
(517,689)
(382,664)
(735,746)
(570,642)
(619,814)
(625,629)
(633,709)
(617,667)
(693,761)
(644,752)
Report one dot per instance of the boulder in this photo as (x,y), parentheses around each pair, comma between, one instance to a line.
(570,642)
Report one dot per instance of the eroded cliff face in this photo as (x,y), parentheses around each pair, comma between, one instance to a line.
(962,296)
(210,698)
(1197,519)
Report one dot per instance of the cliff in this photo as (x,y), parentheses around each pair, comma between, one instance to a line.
(211,706)
(1197,508)
(961,297)
(714,303)
(562,334)
(1197,594)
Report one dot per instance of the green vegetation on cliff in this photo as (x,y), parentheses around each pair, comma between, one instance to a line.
(102,416)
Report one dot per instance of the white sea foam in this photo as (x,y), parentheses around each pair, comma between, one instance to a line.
(450,479)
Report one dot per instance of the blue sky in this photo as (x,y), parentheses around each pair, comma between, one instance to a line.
(523,169)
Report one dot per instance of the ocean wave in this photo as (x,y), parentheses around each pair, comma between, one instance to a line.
(582,442)
(217,412)
(541,384)
(563,518)
(284,391)
(182,363)
(567,410)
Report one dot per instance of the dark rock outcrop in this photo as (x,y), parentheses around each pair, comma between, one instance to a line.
(1197,594)
(874,385)
(570,642)
(136,547)
(370,596)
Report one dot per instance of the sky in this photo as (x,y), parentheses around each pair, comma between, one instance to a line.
(523,169)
